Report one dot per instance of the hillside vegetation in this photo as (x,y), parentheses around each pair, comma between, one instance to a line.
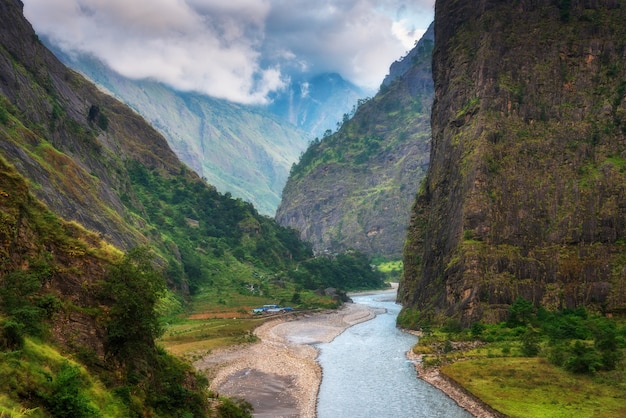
(77,321)
(537,363)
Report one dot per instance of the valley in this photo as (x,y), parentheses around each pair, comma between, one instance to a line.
(487,176)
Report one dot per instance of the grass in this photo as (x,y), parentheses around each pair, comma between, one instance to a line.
(491,361)
(28,373)
(220,318)
(532,387)
(390,266)
(192,337)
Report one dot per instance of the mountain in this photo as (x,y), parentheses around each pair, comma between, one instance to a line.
(400,67)
(241,149)
(354,189)
(316,104)
(525,194)
(103,230)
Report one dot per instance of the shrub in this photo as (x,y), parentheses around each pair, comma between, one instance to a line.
(66,398)
(583,359)
(4,116)
(234,408)
(410,318)
(11,336)
(530,342)
(477,329)
(521,313)
(133,324)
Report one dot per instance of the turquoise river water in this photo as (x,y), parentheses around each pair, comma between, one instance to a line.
(366,373)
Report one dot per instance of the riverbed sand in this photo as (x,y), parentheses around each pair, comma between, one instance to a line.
(279,374)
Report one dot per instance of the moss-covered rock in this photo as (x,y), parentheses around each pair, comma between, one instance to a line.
(526,189)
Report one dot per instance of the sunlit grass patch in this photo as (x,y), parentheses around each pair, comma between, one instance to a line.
(190,337)
(532,387)
(34,371)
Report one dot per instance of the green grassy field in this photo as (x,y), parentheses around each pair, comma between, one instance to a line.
(531,387)
(541,364)
(216,318)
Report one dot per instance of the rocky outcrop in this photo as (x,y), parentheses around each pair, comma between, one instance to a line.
(354,189)
(526,190)
(400,67)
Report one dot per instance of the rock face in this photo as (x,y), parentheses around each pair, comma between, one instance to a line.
(354,189)
(400,67)
(526,189)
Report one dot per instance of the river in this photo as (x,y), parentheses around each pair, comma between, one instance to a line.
(366,373)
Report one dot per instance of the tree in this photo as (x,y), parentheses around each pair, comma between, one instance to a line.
(521,313)
(583,359)
(530,342)
(607,344)
(66,397)
(135,286)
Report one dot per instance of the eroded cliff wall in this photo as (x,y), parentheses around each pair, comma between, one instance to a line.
(526,189)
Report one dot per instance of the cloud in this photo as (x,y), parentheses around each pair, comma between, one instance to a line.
(240,50)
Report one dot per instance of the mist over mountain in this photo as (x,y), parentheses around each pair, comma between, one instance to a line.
(318,104)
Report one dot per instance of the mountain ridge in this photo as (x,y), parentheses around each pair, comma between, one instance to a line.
(240,149)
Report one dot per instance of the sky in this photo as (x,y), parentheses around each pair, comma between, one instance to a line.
(239,50)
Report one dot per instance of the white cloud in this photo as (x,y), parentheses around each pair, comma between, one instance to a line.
(240,50)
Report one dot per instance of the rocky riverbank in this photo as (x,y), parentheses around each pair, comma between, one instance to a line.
(279,375)
(451,388)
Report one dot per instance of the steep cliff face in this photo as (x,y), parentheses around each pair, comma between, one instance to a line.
(354,189)
(526,189)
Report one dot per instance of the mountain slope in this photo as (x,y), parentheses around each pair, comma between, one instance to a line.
(82,178)
(354,189)
(316,104)
(74,139)
(244,150)
(526,189)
